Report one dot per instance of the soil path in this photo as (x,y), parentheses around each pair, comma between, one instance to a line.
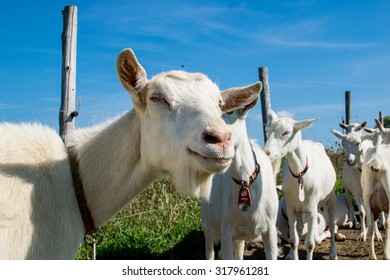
(350,249)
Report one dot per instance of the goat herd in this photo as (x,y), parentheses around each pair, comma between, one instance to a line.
(52,194)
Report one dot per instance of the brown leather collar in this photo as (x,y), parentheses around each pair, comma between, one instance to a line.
(89,224)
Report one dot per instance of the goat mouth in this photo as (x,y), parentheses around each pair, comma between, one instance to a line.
(205,159)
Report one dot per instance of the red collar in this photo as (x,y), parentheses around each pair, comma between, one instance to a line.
(303,172)
(252,178)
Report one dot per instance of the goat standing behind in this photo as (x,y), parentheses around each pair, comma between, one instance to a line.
(355,146)
(308,179)
(222,219)
(375,182)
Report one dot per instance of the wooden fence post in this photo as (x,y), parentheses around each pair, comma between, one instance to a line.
(265,97)
(380,117)
(348,96)
(68,87)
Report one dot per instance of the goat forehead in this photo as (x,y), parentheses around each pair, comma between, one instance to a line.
(353,138)
(279,126)
(184,87)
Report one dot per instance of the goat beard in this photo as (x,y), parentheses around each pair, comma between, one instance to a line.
(193,183)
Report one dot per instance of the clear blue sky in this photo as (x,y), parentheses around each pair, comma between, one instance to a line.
(314,50)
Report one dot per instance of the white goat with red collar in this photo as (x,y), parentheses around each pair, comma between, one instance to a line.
(314,186)
(230,216)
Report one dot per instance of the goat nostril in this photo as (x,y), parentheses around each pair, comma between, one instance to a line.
(215,137)
(210,138)
(267,152)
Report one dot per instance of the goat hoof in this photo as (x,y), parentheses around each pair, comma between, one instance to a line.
(339,237)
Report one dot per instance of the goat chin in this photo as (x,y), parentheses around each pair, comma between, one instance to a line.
(196,184)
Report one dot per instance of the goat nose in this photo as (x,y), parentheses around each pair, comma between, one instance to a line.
(217,137)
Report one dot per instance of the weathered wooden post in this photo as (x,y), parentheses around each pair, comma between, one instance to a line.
(265,97)
(348,96)
(380,117)
(68,87)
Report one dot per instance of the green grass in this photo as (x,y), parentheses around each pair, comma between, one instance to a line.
(158,224)
(161,224)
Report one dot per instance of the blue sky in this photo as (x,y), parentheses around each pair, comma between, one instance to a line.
(314,51)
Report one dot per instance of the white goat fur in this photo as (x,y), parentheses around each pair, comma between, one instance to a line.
(175,127)
(284,139)
(222,219)
(375,182)
(355,146)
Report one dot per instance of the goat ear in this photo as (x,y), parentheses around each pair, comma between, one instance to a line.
(240,97)
(242,112)
(131,74)
(369,130)
(362,125)
(338,134)
(298,125)
(343,126)
(368,136)
(271,116)
(380,126)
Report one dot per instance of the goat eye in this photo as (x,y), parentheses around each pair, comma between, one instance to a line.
(158,98)
(286,133)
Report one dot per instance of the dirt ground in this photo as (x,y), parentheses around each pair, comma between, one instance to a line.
(350,249)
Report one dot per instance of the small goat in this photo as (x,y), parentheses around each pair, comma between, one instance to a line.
(375,182)
(355,146)
(175,127)
(231,219)
(308,179)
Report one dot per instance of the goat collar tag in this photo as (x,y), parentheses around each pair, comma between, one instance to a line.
(244,194)
(299,176)
(86,215)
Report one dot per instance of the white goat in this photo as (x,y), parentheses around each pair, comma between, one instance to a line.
(377,135)
(308,179)
(353,127)
(377,140)
(175,127)
(341,217)
(355,146)
(375,182)
(223,217)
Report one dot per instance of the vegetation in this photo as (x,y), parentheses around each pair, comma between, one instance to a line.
(161,224)
(158,224)
(386,122)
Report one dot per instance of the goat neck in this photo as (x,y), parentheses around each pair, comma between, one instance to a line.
(243,163)
(115,183)
(297,157)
